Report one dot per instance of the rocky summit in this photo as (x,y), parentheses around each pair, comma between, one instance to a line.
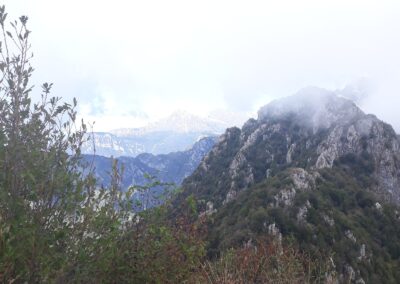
(312,130)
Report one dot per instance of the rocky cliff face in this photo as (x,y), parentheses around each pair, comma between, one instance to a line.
(313,130)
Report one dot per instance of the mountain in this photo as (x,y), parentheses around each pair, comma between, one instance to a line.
(312,129)
(167,168)
(177,132)
(313,169)
(178,122)
(107,144)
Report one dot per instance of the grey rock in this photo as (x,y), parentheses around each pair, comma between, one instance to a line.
(328,220)
(350,273)
(362,255)
(349,234)
(302,214)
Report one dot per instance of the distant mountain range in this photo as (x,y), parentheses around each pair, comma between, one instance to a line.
(177,132)
(167,168)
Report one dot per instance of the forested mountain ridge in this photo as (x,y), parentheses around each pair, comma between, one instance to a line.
(313,170)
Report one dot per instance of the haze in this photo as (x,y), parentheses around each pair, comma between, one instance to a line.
(130,62)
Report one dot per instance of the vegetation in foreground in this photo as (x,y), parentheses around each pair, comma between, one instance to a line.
(58,226)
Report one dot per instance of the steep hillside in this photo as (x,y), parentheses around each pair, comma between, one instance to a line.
(327,214)
(312,170)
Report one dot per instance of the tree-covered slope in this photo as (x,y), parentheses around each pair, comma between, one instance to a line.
(326,213)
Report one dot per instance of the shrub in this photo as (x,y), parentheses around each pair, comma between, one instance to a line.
(264,262)
(56,224)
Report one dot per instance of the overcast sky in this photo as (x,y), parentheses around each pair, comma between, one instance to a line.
(130,61)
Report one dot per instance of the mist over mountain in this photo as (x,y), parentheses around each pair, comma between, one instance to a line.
(358,91)
(315,123)
(177,132)
(180,130)
(179,122)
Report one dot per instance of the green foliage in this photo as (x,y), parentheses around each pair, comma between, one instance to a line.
(217,183)
(340,196)
(56,224)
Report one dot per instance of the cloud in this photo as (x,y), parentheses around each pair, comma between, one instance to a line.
(157,56)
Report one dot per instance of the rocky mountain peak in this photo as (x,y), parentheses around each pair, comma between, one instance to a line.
(312,107)
(313,129)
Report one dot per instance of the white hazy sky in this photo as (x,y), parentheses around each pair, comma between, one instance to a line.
(128,61)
